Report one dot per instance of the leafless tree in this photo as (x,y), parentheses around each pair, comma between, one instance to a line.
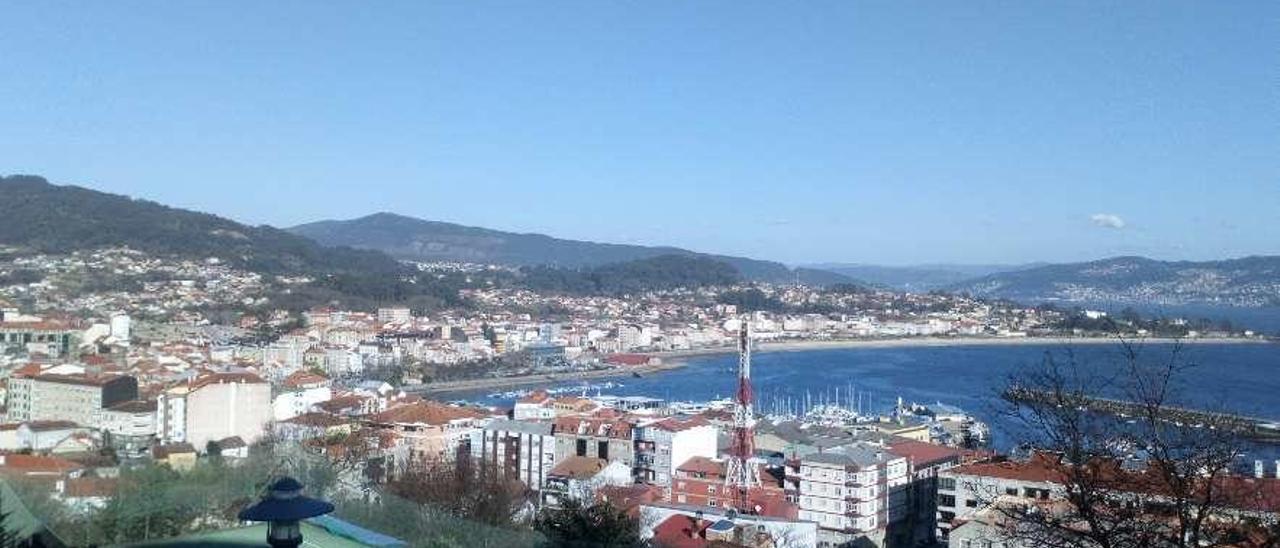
(466,488)
(1136,469)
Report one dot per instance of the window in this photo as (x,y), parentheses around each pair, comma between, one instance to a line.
(948,516)
(602,450)
(947,500)
(1011,491)
(971,503)
(948,484)
(1029,492)
(582,448)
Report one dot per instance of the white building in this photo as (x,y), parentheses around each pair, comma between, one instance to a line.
(298,393)
(214,407)
(121,329)
(963,491)
(535,406)
(663,445)
(850,491)
(522,449)
(394,315)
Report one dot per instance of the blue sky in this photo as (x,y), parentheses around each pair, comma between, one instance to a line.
(891,132)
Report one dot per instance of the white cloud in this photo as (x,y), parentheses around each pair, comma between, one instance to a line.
(1107,220)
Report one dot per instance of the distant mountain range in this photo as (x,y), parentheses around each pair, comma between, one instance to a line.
(1250,281)
(918,277)
(48,218)
(359,257)
(414,239)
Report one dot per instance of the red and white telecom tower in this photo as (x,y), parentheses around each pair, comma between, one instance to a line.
(742,476)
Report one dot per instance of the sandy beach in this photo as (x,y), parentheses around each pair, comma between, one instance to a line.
(677,358)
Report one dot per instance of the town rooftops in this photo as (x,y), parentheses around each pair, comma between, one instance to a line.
(922,454)
(84,379)
(855,454)
(1041,467)
(523,427)
(134,406)
(536,397)
(681,531)
(628,498)
(588,426)
(225,378)
(305,379)
(702,468)
(90,487)
(317,420)
(36,465)
(579,467)
(426,412)
(678,424)
(162,452)
(50,426)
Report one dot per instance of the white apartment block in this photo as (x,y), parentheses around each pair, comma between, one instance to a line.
(214,407)
(964,491)
(525,450)
(663,445)
(851,491)
(78,398)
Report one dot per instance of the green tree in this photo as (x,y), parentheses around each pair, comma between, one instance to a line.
(576,524)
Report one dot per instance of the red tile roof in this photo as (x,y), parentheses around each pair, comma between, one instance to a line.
(426,412)
(628,498)
(587,426)
(17,463)
(302,379)
(579,467)
(90,487)
(680,531)
(709,468)
(921,454)
(674,424)
(537,396)
(320,420)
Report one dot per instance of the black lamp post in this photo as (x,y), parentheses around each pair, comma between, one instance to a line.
(283,509)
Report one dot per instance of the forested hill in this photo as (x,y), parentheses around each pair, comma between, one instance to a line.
(420,240)
(1250,281)
(43,217)
(653,273)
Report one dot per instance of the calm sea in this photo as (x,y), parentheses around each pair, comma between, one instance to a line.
(1244,378)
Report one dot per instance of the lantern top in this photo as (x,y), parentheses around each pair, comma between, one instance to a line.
(284,502)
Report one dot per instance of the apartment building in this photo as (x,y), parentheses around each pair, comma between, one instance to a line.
(79,397)
(599,437)
(700,481)
(662,445)
(852,492)
(214,407)
(428,431)
(963,491)
(521,449)
(129,427)
(49,337)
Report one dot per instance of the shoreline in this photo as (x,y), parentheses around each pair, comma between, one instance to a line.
(926,342)
(546,378)
(675,359)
